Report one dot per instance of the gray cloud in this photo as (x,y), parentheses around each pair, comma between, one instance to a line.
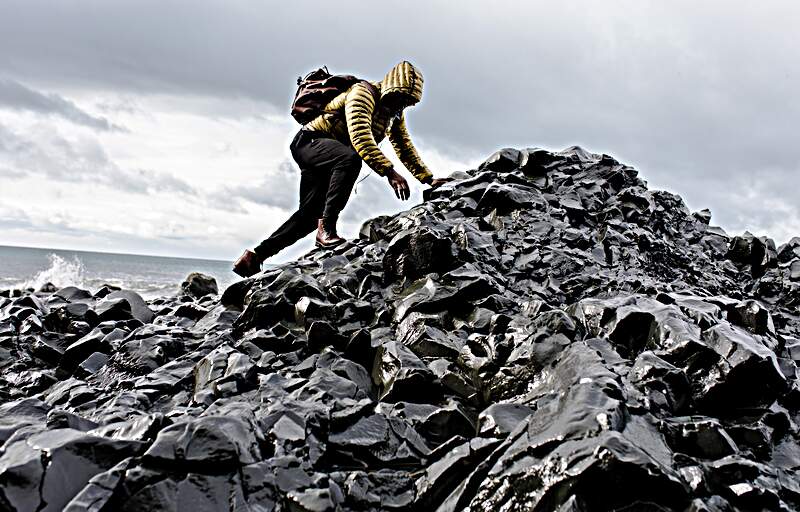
(16,96)
(146,181)
(50,155)
(278,188)
(11,218)
(15,218)
(83,160)
(11,173)
(120,105)
(701,97)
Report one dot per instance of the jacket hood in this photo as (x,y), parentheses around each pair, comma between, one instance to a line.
(403,78)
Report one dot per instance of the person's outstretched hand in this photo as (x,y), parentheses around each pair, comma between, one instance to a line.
(398,184)
(438,182)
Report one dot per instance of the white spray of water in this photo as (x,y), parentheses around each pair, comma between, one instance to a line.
(61,273)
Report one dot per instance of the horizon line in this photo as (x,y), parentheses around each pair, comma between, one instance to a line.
(109,253)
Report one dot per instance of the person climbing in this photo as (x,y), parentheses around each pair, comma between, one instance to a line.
(329,150)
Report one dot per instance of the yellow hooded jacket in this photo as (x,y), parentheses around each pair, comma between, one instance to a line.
(354,118)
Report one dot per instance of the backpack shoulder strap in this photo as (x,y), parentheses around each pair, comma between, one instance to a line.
(374,90)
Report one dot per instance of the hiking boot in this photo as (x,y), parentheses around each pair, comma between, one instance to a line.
(326,233)
(248,264)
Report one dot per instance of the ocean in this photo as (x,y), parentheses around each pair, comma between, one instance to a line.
(150,276)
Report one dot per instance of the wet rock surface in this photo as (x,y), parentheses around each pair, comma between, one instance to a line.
(542,333)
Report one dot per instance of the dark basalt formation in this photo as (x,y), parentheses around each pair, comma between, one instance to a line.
(544,333)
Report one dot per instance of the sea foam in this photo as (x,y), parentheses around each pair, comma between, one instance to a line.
(61,272)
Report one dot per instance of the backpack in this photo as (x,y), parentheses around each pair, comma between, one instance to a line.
(316,90)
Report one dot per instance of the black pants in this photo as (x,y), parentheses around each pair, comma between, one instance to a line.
(328,171)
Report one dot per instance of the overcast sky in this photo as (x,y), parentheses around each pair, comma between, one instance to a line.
(162,127)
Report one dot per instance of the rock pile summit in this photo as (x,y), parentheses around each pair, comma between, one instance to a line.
(543,333)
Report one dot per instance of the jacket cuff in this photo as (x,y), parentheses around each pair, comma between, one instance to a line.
(383,171)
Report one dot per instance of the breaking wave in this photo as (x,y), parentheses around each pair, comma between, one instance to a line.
(61,272)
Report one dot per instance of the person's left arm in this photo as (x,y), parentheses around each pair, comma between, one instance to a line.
(406,152)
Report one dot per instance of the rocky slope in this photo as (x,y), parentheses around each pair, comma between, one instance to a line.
(543,334)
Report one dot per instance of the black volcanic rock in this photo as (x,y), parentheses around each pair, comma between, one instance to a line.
(122,305)
(73,294)
(210,443)
(45,470)
(197,285)
(541,333)
(19,414)
(414,253)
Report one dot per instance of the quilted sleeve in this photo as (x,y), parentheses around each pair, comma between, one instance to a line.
(406,152)
(358,109)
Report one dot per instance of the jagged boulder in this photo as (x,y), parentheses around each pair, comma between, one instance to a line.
(198,285)
(46,470)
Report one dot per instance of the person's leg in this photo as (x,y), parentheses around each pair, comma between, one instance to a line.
(335,169)
(329,171)
(342,164)
(343,177)
(313,187)
(303,221)
(313,190)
